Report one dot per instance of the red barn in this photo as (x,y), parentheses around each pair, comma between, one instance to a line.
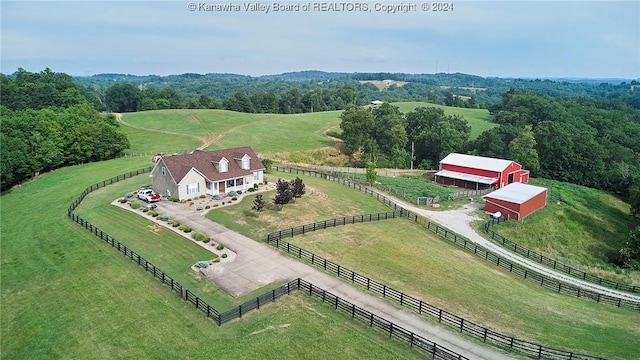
(516,200)
(478,172)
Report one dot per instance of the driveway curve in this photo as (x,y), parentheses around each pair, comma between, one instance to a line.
(257,264)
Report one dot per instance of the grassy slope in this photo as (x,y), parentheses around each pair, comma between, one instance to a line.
(294,132)
(425,266)
(66,294)
(403,255)
(585,227)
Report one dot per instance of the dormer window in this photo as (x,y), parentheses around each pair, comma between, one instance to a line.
(246,162)
(223,165)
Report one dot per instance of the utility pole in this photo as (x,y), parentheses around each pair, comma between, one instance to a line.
(413,148)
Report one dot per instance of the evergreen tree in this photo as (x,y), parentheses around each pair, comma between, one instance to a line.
(283,193)
(258,203)
(297,188)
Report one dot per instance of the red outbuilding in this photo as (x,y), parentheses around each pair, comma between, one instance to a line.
(516,200)
(478,172)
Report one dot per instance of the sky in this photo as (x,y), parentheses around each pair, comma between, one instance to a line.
(595,39)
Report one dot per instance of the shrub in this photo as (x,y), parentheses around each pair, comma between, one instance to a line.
(232,193)
(234,198)
(128,195)
(145,210)
(251,189)
(239,192)
(122,201)
(187,229)
(135,205)
(216,197)
(207,207)
(224,256)
(203,196)
(198,236)
(152,213)
(255,186)
(199,208)
(182,227)
(165,218)
(265,181)
(176,224)
(216,260)
(220,247)
(206,240)
(173,198)
(215,205)
(223,203)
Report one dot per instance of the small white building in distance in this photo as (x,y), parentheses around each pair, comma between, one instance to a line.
(376,102)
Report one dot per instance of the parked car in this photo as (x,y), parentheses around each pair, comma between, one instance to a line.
(148,195)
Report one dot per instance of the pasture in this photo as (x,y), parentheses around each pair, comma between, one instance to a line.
(67,294)
(580,226)
(273,134)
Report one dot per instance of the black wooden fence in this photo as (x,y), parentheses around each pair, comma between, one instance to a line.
(460,324)
(471,247)
(434,350)
(554,264)
(345,220)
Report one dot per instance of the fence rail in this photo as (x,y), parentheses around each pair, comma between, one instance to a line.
(471,247)
(554,264)
(460,324)
(356,219)
(434,350)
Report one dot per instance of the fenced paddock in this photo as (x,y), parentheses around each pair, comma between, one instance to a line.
(442,316)
(477,250)
(551,263)
(415,341)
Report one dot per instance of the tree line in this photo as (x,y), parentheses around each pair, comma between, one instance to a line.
(47,123)
(590,142)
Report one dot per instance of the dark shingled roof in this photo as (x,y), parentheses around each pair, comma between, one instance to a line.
(203,161)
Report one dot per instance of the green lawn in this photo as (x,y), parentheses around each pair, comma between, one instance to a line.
(267,133)
(409,258)
(479,119)
(586,227)
(67,294)
(323,200)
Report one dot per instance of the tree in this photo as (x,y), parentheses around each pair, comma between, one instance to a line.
(634,194)
(522,150)
(371,173)
(283,193)
(356,124)
(297,188)
(630,252)
(258,203)
(123,98)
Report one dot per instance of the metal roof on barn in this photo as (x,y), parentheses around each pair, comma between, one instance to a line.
(467,177)
(516,193)
(476,162)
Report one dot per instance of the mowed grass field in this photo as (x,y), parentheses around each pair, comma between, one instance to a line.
(404,256)
(67,294)
(184,130)
(580,227)
(409,258)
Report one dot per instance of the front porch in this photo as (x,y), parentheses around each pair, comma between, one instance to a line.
(225,186)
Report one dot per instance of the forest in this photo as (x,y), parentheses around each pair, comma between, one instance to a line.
(210,90)
(47,123)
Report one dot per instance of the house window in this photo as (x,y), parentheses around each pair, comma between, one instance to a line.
(231,183)
(256,175)
(164,171)
(193,188)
